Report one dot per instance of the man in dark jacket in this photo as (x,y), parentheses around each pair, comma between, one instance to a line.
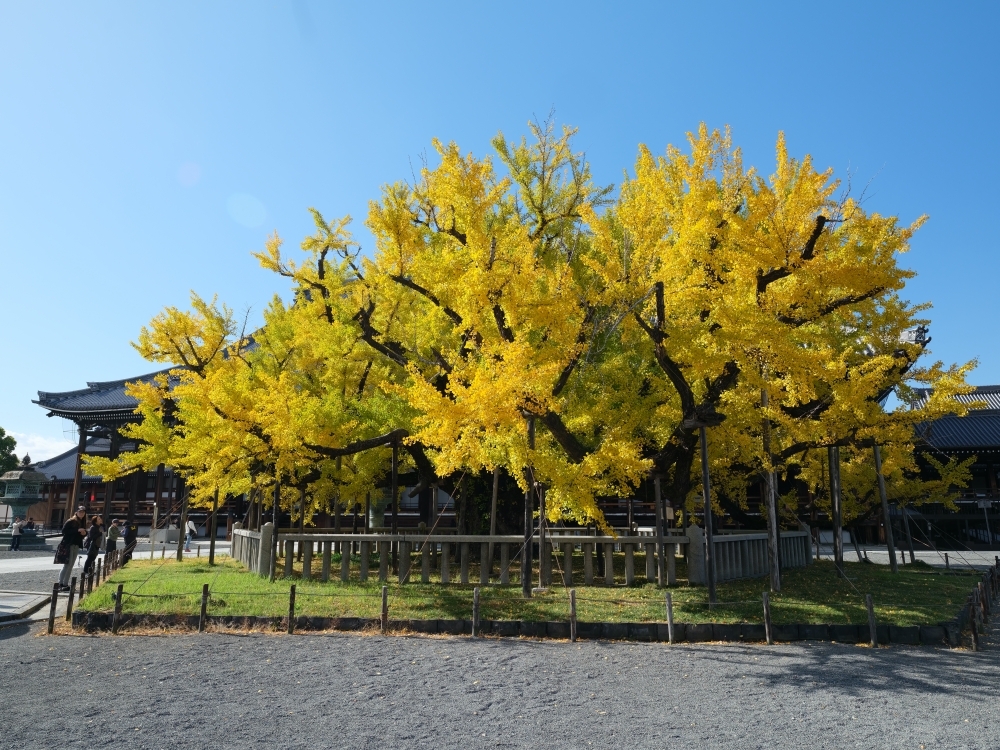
(130,537)
(72,537)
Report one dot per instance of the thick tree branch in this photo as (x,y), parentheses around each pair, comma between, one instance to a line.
(399,279)
(394,351)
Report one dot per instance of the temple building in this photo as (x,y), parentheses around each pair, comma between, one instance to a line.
(98,411)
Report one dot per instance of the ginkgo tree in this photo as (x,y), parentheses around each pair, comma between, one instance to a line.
(512,290)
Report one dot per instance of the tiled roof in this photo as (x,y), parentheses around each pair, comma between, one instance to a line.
(979,429)
(96,397)
(990,394)
(63,466)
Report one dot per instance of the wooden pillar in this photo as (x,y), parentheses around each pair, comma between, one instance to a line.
(425,562)
(529,508)
(609,564)
(345,562)
(588,563)
(629,563)
(650,562)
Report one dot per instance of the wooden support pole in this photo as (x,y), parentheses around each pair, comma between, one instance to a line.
(213,528)
(660,550)
(493,518)
(307,560)
(768,635)
(872,630)
(383,561)
(909,536)
(475,612)
(52,607)
(291,609)
(366,553)
(119,596)
(395,499)
(567,567)
(886,522)
(529,512)
(572,615)
(670,618)
(404,561)
(83,581)
(385,610)
(833,457)
(445,563)
(74,491)
(504,564)
(204,608)
(709,523)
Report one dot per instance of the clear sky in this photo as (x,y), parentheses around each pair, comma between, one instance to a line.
(146,149)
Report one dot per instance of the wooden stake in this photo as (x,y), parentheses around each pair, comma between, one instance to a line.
(475,612)
(204,608)
(670,618)
(52,607)
(69,602)
(119,595)
(873,631)
(572,615)
(385,609)
(768,634)
(291,609)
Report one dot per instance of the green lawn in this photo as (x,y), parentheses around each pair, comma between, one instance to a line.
(917,595)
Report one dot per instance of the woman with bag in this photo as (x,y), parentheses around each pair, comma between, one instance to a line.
(92,542)
(69,546)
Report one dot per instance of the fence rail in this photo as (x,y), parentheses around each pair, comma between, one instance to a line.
(745,555)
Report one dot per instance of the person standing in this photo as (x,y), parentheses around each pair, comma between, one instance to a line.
(69,546)
(191,531)
(130,538)
(15,534)
(92,542)
(112,541)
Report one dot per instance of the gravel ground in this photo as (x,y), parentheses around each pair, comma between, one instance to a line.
(348,690)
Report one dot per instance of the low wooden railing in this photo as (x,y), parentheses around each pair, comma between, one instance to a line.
(443,545)
(745,555)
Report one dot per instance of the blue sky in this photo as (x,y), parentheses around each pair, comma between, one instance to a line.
(146,149)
